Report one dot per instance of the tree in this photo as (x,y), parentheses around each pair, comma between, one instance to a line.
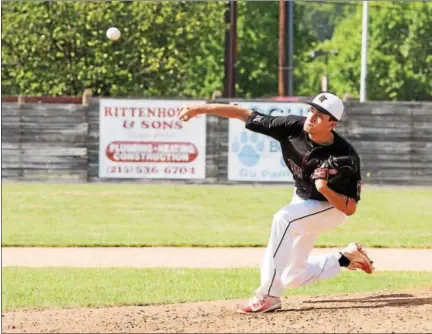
(166,48)
(321,18)
(60,48)
(399,54)
(176,49)
(258,35)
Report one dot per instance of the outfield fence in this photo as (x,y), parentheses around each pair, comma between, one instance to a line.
(52,142)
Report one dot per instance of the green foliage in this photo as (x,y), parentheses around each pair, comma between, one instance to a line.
(60,48)
(166,49)
(257,55)
(177,48)
(322,18)
(399,53)
(258,35)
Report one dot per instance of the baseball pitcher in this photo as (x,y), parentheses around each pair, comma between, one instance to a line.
(326,171)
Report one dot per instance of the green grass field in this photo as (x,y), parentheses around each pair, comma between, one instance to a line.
(77,287)
(196,215)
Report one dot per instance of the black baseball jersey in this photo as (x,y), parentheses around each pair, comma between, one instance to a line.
(296,144)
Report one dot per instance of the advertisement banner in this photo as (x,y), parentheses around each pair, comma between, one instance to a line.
(145,139)
(256,157)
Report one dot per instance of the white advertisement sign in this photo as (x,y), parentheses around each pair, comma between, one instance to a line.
(256,157)
(145,139)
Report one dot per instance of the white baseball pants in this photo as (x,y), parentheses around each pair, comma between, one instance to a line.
(295,228)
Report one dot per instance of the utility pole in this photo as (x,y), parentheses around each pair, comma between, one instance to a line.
(290,59)
(286,47)
(281,60)
(230,49)
(364,51)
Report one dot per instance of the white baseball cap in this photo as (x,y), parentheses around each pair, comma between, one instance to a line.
(329,104)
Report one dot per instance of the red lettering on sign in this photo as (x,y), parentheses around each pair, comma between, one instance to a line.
(134,151)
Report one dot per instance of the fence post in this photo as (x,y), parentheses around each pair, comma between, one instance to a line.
(87,95)
(20,102)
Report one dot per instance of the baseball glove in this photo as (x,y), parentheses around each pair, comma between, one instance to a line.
(313,160)
(337,171)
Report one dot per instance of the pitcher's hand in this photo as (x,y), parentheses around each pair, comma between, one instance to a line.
(189,111)
(320,184)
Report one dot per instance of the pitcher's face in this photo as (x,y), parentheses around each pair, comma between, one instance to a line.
(318,122)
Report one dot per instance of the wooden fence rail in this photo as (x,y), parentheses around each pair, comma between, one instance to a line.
(41,142)
(61,142)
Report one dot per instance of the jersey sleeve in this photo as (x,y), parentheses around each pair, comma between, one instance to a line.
(276,127)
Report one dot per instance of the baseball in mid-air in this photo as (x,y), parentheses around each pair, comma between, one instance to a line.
(113,33)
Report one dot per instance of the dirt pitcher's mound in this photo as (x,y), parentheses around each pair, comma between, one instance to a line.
(389,312)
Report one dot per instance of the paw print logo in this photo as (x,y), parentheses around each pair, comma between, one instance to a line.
(248,148)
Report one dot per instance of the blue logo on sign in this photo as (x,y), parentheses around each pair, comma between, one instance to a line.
(248,148)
